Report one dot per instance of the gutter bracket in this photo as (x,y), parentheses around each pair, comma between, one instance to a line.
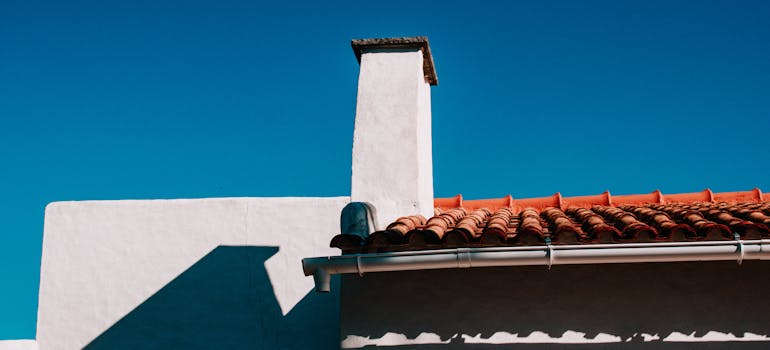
(550,252)
(741,249)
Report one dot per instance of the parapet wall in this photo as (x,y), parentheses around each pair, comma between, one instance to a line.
(190,273)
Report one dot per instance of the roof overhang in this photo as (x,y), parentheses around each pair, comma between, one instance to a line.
(738,250)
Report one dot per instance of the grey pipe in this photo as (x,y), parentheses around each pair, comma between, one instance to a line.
(739,250)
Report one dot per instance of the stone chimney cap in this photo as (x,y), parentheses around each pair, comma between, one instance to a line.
(421,42)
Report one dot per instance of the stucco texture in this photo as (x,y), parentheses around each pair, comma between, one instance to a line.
(699,305)
(392,166)
(25,344)
(194,274)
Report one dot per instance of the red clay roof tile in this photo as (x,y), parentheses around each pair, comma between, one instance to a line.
(602,218)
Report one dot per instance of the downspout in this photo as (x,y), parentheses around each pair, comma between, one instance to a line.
(739,250)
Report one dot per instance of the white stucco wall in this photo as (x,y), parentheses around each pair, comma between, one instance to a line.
(685,305)
(103,259)
(392,156)
(25,344)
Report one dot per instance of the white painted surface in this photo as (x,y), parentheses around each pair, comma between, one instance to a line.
(611,306)
(391,339)
(715,336)
(392,156)
(24,344)
(536,337)
(102,259)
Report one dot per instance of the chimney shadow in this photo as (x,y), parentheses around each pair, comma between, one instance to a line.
(225,300)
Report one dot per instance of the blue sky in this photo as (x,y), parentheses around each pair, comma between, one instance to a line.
(156,99)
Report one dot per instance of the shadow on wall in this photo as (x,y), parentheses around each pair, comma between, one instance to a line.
(624,303)
(225,301)
(606,346)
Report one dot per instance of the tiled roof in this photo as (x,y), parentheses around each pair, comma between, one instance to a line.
(602,218)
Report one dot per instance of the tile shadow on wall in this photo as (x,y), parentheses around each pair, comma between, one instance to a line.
(226,300)
(623,300)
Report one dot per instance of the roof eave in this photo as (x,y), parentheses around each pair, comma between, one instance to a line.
(738,250)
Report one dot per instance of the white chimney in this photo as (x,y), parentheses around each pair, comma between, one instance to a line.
(392,155)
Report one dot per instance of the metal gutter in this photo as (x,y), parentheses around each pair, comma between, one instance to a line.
(739,250)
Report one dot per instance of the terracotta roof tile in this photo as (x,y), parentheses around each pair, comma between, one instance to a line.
(499,227)
(594,225)
(602,218)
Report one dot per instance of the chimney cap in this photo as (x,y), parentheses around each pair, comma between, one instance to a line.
(420,42)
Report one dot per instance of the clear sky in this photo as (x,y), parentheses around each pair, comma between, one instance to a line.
(157,99)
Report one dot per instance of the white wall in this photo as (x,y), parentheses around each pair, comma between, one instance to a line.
(392,157)
(25,344)
(109,267)
(685,305)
